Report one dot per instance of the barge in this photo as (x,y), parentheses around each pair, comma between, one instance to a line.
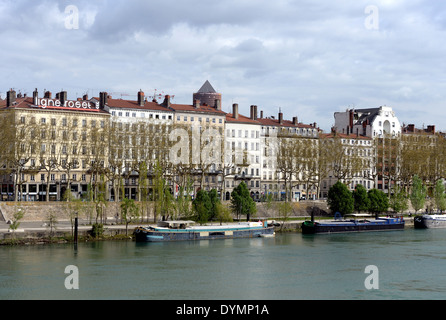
(358,223)
(185,230)
(428,221)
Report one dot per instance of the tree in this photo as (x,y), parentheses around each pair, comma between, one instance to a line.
(399,201)
(241,201)
(340,199)
(284,210)
(418,194)
(16,217)
(379,202)
(439,196)
(223,213)
(129,212)
(214,199)
(202,206)
(362,201)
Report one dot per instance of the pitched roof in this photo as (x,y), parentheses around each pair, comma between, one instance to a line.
(343,135)
(241,119)
(132,104)
(28,103)
(191,108)
(207,88)
(285,123)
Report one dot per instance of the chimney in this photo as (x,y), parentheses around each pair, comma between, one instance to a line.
(235,110)
(431,129)
(261,114)
(251,114)
(351,118)
(85,97)
(255,112)
(197,104)
(102,99)
(47,95)
(35,97)
(280,117)
(217,104)
(166,101)
(295,120)
(10,98)
(411,128)
(141,98)
(63,97)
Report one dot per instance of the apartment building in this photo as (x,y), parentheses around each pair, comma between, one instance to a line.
(50,146)
(349,158)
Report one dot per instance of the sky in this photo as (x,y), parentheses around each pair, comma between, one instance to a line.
(307,58)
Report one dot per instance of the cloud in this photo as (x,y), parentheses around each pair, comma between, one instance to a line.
(309,58)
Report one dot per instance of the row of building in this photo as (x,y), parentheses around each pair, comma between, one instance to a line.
(51,145)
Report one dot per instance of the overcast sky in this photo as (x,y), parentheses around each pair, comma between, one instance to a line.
(309,58)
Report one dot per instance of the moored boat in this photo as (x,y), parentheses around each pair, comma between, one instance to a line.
(358,223)
(184,230)
(428,221)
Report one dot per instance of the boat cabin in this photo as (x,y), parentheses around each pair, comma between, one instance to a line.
(175,224)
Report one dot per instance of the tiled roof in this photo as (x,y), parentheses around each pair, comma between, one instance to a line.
(207,88)
(285,123)
(28,103)
(343,135)
(131,104)
(191,108)
(241,119)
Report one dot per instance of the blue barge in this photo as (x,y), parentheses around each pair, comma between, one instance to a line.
(358,223)
(183,230)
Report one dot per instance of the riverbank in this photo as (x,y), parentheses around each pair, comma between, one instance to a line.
(37,232)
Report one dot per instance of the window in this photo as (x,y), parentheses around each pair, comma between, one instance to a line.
(127,114)
(84,122)
(22,120)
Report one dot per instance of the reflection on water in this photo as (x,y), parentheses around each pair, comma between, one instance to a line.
(289,266)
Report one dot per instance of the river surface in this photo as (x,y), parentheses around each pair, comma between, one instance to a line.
(409,264)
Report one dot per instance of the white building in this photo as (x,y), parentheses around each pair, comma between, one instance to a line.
(242,152)
(373,122)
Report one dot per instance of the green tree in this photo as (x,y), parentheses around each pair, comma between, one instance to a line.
(379,202)
(223,213)
(284,210)
(214,199)
(340,199)
(18,215)
(241,201)
(202,206)
(418,194)
(129,212)
(439,196)
(399,201)
(362,201)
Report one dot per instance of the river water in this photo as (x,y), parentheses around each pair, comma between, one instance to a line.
(409,264)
